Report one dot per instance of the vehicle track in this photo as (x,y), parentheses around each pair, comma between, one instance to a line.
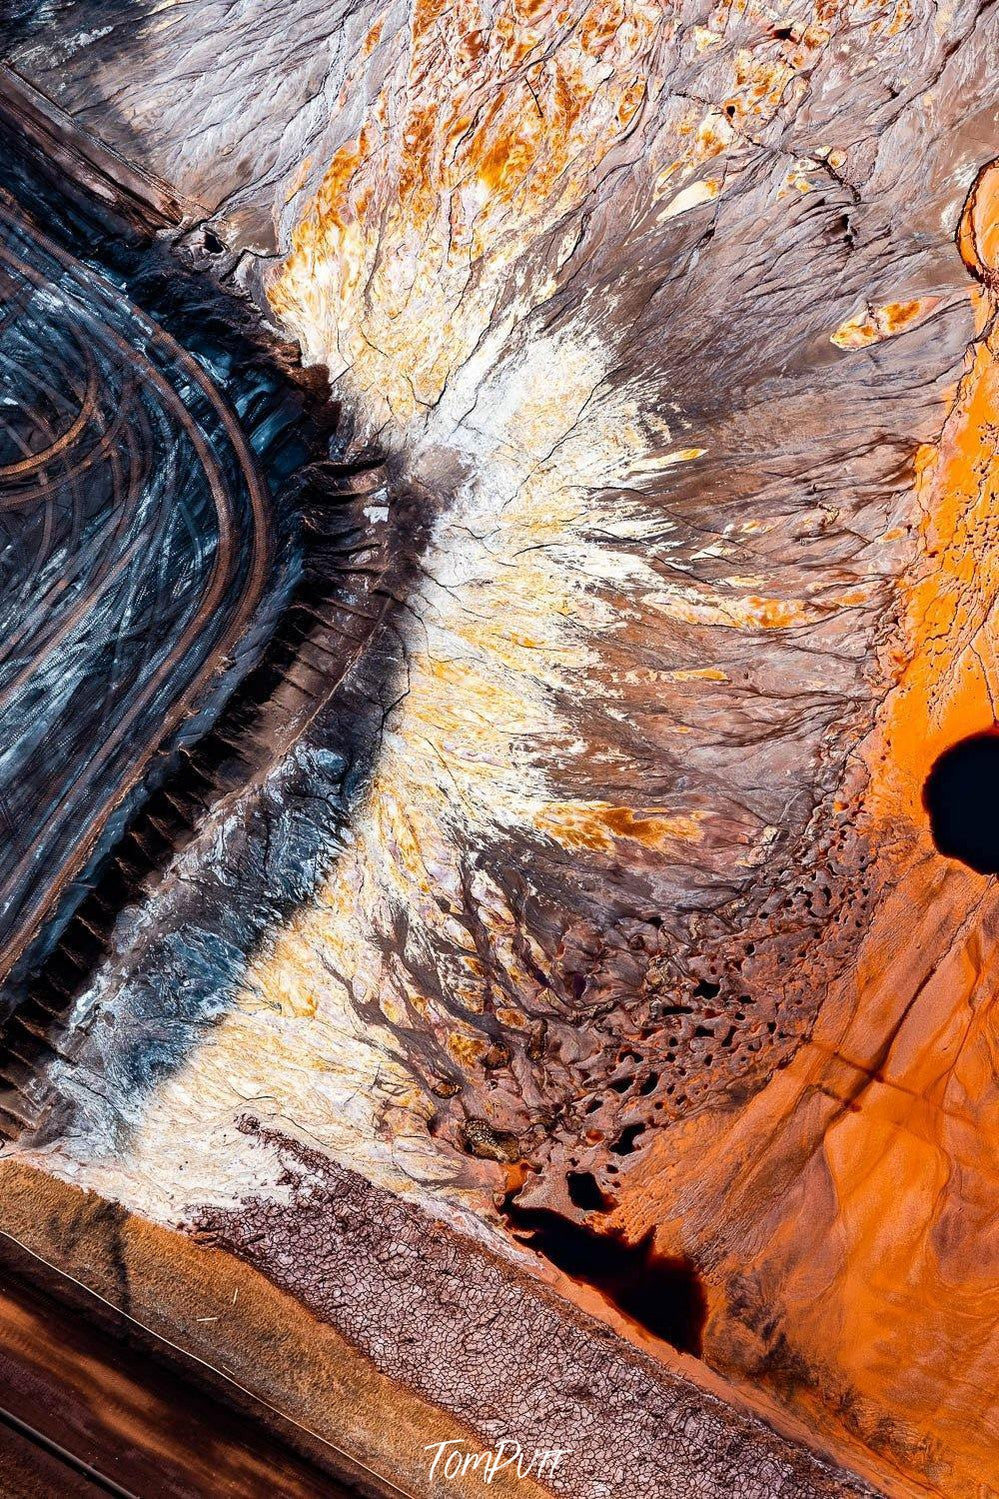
(135,545)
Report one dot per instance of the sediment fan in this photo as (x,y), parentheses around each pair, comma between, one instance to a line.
(534,959)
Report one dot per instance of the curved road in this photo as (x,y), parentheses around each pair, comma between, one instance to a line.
(134,547)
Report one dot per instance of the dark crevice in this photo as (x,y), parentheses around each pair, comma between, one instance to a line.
(584,1192)
(663,1294)
(625,1142)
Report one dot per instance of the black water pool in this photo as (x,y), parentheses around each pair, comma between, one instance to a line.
(961,796)
(665,1295)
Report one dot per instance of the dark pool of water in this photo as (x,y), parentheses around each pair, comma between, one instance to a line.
(961,796)
(665,1295)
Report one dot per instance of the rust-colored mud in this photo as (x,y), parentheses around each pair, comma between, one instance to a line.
(848,1212)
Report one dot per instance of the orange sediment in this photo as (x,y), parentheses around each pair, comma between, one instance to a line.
(848,1210)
